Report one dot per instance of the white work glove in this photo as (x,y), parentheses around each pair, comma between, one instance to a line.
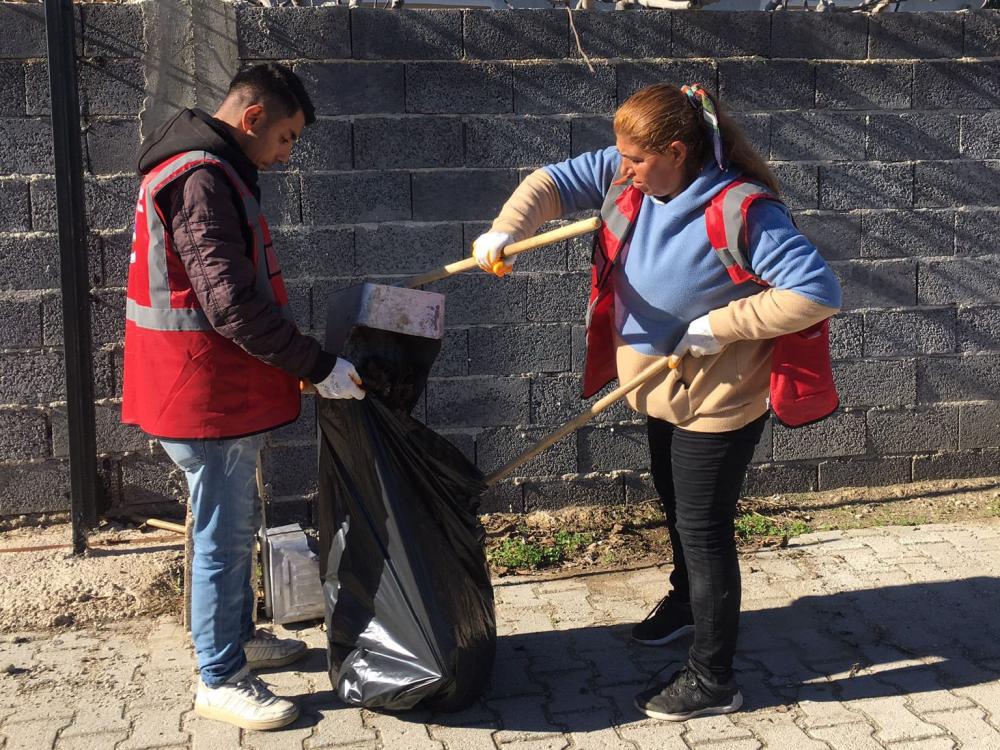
(487,250)
(342,382)
(699,340)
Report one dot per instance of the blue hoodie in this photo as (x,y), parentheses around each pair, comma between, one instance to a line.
(670,274)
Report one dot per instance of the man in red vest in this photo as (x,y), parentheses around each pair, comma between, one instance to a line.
(213,360)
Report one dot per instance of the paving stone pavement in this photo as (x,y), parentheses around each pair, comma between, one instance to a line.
(878,638)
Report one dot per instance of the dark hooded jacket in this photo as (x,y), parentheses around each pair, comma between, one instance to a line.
(204,216)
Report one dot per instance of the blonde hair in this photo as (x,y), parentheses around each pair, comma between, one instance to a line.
(656,116)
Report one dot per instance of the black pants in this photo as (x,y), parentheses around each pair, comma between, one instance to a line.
(699,476)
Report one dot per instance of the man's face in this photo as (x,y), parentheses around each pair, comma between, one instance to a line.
(268,140)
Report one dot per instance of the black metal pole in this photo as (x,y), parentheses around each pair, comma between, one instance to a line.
(61,32)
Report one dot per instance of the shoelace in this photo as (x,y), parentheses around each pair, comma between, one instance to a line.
(252,685)
(651,680)
(682,677)
(264,635)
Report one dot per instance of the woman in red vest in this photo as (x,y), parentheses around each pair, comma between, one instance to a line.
(688,263)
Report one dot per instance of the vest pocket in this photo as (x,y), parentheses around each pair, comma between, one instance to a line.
(195,362)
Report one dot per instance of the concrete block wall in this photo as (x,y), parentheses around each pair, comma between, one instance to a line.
(884,132)
(34,471)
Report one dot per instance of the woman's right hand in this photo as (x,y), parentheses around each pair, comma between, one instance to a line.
(487,249)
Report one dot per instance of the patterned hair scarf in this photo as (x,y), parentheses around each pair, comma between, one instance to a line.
(700,100)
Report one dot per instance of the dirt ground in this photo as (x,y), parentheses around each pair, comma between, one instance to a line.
(132,572)
(622,536)
(127,573)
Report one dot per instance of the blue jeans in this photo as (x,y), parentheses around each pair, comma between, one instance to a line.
(221,476)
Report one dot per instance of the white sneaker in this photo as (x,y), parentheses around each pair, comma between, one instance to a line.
(266,651)
(246,702)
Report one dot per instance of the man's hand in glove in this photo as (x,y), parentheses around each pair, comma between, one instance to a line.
(342,382)
(699,340)
(488,252)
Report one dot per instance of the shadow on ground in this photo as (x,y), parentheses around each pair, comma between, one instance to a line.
(846,646)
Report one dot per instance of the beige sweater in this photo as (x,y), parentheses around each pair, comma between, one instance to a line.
(718,393)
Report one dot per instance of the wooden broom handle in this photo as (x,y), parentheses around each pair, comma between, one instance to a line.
(662,365)
(515,248)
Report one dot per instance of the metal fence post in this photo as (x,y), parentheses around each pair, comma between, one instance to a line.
(75,282)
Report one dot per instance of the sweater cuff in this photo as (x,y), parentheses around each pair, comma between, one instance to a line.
(323,367)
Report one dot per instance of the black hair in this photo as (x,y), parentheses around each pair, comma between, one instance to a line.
(277,88)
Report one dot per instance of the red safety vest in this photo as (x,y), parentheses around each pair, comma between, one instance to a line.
(802,388)
(618,214)
(182,380)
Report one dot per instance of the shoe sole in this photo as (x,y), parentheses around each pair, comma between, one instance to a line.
(732,706)
(681,631)
(218,714)
(284,661)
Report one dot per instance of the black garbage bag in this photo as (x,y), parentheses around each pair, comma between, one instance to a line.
(409,604)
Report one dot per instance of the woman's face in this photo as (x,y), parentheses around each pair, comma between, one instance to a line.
(651,172)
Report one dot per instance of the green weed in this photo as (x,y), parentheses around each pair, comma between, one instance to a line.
(571,542)
(751,526)
(519,553)
(798,528)
(908,521)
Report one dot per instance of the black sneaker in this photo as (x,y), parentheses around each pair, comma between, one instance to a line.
(685,696)
(668,621)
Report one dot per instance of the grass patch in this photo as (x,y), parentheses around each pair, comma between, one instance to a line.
(520,553)
(570,542)
(755,525)
(798,528)
(909,521)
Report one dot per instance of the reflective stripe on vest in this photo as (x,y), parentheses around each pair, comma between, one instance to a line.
(618,214)
(160,315)
(802,388)
(167,318)
(615,221)
(726,225)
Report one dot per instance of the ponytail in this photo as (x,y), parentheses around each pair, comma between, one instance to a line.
(741,156)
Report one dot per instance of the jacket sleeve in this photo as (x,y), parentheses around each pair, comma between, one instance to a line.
(208,236)
(803,290)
